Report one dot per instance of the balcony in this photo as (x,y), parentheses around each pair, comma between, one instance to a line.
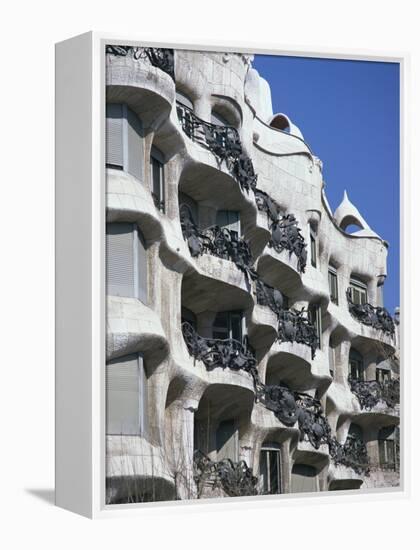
(369,394)
(286,235)
(352,454)
(376,317)
(219,242)
(162,58)
(223,142)
(234,478)
(215,353)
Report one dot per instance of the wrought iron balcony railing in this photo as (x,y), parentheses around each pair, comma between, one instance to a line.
(219,242)
(268,205)
(286,235)
(235,478)
(223,142)
(376,317)
(370,393)
(270,297)
(294,326)
(214,353)
(352,454)
(162,58)
(290,407)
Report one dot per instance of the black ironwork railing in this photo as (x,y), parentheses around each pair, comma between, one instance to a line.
(352,454)
(376,317)
(217,241)
(213,352)
(235,478)
(162,58)
(295,326)
(286,235)
(370,393)
(290,407)
(223,142)
(268,205)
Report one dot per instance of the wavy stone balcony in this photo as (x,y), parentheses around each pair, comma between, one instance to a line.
(377,396)
(223,142)
(375,317)
(142,78)
(134,327)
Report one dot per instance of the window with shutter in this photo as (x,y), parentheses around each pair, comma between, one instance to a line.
(304,479)
(124,139)
(313,247)
(114,136)
(387,451)
(227,441)
(126,396)
(229,324)
(358,292)
(314,316)
(126,261)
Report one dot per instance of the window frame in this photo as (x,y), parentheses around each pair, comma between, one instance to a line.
(270,449)
(313,242)
(157,160)
(358,286)
(315,317)
(333,284)
(229,331)
(356,361)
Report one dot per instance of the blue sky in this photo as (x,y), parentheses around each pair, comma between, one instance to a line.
(348,113)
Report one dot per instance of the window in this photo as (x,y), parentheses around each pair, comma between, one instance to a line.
(356,366)
(304,479)
(157,178)
(315,317)
(227,440)
(383,375)
(229,324)
(188,206)
(333,284)
(331,358)
(387,448)
(229,219)
(126,396)
(270,469)
(312,237)
(126,261)
(358,292)
(124,139)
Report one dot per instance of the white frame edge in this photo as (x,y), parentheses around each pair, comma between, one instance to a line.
(80,278)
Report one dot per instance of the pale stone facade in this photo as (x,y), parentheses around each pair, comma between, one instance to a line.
(188,407)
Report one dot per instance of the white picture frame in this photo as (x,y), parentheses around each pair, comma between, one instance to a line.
(80,273)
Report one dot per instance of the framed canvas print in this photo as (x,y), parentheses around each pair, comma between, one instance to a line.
(228,323)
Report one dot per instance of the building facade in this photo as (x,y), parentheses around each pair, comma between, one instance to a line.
(248,349)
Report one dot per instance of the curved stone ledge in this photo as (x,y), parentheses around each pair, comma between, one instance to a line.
(279,270)
(342,477)
(147,90)
(133,327)
(275,142)
(304,453)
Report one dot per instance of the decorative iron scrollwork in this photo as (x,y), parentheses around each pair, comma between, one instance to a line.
(294,326)
(162,58)
(223,142)
(214,353)
(370,393)
(219,242)
(352,454)
(268,205)
(235,478)
(376,317)
(269,296)
(286,235)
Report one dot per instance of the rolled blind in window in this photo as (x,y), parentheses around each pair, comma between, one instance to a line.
(120,260)
(141,268)
(123,396)
(114,135)
(304,479)
(227,441)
